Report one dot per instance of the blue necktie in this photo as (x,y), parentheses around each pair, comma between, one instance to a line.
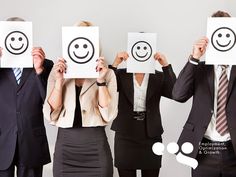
(17,72)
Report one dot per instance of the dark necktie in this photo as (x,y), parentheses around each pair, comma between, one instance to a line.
(221,121)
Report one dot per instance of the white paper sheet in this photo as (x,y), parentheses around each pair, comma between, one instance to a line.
(141,49)
(16,40)
(80,50)
(221,32)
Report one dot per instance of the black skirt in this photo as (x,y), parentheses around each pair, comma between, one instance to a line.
(136,152)
(82,152)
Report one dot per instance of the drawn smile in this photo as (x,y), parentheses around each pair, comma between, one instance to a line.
(81,57)
(19,48)
(141,56)
(223,45)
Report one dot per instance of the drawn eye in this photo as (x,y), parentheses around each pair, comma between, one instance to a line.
(219,35)
(76,46)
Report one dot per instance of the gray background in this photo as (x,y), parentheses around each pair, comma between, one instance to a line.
(177,24)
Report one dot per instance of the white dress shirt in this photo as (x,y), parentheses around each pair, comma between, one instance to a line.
(140,92)
(211,132)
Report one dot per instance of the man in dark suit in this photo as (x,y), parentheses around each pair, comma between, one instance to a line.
(211,125)
(23,141)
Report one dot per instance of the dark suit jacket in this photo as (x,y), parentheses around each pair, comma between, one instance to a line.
(197,81)
(21,117)
(159,84)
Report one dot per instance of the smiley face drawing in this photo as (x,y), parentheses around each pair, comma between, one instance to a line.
(141,51)
(81,50)
(16,42)
(223,39)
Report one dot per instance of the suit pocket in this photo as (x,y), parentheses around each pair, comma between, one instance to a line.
(39,131)
(189,126)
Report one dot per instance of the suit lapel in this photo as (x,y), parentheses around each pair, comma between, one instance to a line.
(128,86)
(87,84)
(11,76)
(210,79)
(151,88)
(25,75)
(231,80)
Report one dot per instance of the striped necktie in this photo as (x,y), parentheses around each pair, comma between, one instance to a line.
(221,121)
(17,72)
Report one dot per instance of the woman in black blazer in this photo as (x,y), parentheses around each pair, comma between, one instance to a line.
(138,123)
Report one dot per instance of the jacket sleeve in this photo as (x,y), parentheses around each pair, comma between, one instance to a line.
(184,86)
(109,113)
(169,80)
(42,78)
(51,116)
(116,71)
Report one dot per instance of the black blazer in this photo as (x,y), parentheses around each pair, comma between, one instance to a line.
(197,81)
(159,84)
(21,117)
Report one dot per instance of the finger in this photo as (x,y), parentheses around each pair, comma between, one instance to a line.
(157,56)
(100,65)
(41,55)
(126,56)
(38,51)
(61,64)
(60,69)
(61,60)
(101,62)
(38,55)
(101,58)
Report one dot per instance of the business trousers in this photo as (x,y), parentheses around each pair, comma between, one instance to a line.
(215,159)
(21,170)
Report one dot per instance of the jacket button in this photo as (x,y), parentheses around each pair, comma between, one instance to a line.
(212,111)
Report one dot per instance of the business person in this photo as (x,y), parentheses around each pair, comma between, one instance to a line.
(81,108)
(211,123)
(138,123)
(23,141)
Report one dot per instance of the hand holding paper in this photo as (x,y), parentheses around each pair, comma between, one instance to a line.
(161,59)
(102,69)
(199,48)
(60,69)
(38,59)
(120,57)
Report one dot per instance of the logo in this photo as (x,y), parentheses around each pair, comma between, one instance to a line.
(158,148)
